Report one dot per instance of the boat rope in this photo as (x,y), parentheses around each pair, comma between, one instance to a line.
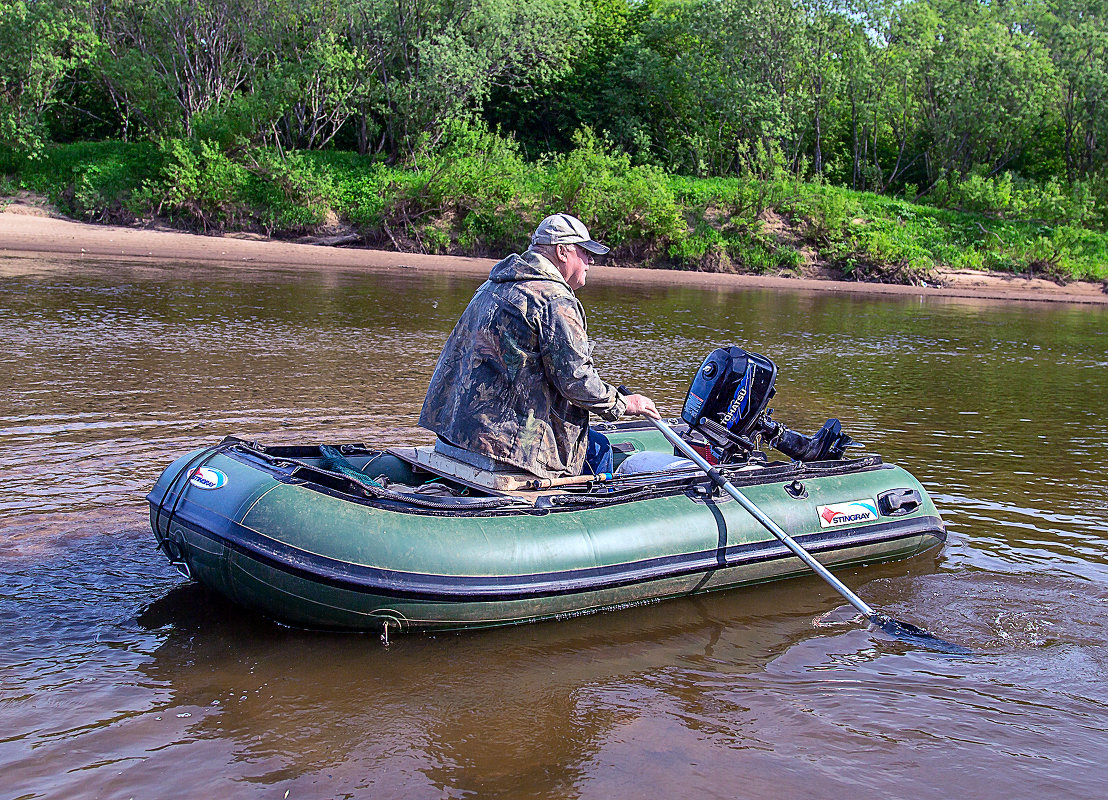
(334,460)
(623,488)
(378,492)
(373,489)
(613,497)
(740,474)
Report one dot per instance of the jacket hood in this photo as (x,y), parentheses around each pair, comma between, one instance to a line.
(527,267)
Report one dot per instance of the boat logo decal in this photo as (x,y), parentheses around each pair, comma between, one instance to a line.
(837,514)
(738,405)
(208,478)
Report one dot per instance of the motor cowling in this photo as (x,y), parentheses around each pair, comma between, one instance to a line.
(730,390)
(727,404)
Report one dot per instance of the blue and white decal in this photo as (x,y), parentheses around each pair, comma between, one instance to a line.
(737,409)
(852,513)
(208,478)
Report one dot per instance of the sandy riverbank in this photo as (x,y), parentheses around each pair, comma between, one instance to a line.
(27,229)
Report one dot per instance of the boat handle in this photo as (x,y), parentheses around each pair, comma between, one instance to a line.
(897,502)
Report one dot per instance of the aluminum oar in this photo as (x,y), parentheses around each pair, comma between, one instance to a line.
(894,627)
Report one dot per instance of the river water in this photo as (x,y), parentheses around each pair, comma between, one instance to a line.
(118,679)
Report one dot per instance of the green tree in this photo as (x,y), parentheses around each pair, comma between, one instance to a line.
(324,71)
(445,58)
(709,78)
(169,62)
(545,115)
(42,42)
(877,99)
(985,83)
(826,34)
(1076,32)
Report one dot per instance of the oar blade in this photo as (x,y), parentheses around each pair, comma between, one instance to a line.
(907,632)
(900,630)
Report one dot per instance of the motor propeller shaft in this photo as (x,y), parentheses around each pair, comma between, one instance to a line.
(829,442)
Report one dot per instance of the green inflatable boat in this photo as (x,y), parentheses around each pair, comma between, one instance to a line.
(351,537)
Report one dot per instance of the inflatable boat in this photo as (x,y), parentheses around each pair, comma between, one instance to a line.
(347,536)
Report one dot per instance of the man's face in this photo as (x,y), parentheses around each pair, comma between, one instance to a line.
(575,267)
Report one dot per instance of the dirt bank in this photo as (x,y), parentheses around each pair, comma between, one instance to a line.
(26,228)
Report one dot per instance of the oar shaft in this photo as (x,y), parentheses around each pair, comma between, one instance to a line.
(548,483)
(768,523)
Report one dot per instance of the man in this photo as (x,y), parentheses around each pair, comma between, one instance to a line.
(515,382)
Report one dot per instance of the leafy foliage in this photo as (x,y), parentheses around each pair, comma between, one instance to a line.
(690,131)
(476,195)
(41,43)
(883,94)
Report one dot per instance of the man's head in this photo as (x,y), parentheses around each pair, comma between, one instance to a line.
(566,242)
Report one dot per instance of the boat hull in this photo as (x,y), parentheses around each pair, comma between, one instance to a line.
(317,558)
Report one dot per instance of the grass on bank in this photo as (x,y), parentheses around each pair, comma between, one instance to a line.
(477,196)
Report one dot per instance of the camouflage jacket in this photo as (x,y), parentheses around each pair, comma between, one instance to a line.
(516,381)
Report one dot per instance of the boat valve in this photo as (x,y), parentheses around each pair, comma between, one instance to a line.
(796,490)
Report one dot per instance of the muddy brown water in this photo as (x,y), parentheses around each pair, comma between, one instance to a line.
(119,679)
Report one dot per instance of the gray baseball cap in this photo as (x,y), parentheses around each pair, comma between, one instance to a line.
(564,229)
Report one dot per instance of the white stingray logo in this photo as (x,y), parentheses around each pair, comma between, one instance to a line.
(837,514)
(208,478)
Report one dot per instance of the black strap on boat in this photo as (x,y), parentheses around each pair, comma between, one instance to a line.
(190,467)
(635,486)
(369,487)
(678,479)
(378,492)
(611,498)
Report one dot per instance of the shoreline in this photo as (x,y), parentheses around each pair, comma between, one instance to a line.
(27,230)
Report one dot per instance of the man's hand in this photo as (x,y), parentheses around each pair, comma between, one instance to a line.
(640,406)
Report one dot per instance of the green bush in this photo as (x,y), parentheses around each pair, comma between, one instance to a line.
(92,181)
(359,185)
(634,206)
(826,213)
(473,193)
(198,185)
(11,160)
(287,194)
(1013,197)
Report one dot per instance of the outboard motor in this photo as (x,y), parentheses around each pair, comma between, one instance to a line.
(727,403)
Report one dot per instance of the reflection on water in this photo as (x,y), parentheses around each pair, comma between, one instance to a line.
(117,679)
